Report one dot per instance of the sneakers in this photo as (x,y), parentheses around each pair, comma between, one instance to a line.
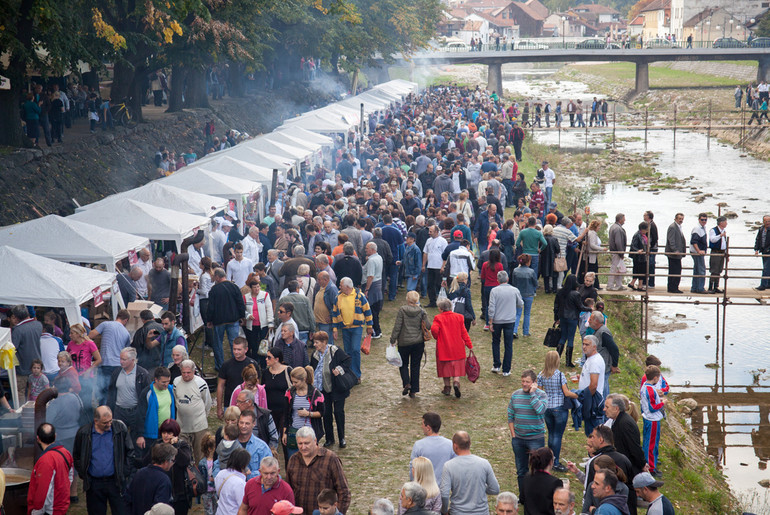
(376,336)
(486,327)
(495,370)
(559,468)
(506,374)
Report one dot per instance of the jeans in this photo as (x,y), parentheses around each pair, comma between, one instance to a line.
(568,328)
(698,268)
(411,355)
(535,263)
(556,422)
(254,337)
(232,330)
(434,283)
(521,449)
(606,384)
(651,281)
(508,183)
(526,309)
(485,291)
(507,330)
(765,281)
(376,308)
(327,328)
(424,284)
(335,407)
(548,195)
(411,282)
(102,491)
(102,382)
(351,338)
(393,286)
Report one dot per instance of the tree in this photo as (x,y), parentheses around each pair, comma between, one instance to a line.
(38,37)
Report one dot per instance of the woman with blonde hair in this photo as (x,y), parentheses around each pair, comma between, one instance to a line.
(407,333)
(554,383)
(304,406)
(423,473)
(460,295)
(593,247)
(232,414)
(464,206)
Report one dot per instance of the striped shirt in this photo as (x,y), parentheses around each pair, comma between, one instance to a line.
(552,386)
(525,411)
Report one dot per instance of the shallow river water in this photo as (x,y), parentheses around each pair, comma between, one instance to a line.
(734,420)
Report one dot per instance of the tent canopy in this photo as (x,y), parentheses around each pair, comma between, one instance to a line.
(226,165)
(65,239)
(253,156)
(201,178)
(170,197)
(38,281)
(306,135)
(294,152)
(319,123)
(134,217)
(296,141)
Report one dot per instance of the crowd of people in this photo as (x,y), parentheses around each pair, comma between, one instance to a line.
(418,205)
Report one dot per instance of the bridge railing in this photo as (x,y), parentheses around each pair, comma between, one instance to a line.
(559,44)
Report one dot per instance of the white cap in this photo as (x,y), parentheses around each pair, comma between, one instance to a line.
(218,220)
(227,223)
(232,215)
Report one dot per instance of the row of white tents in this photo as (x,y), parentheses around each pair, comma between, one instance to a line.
(35,256)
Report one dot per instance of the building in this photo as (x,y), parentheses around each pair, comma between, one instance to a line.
(713,23)
(636,27)
(489,18)
(742,11)
(657,19)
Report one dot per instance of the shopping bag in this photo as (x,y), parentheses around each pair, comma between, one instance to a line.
(560,264)
(472,367)
(392,355)
(366,345)
(442,294)
(552,337)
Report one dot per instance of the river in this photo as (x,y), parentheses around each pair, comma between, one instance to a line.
(734,422)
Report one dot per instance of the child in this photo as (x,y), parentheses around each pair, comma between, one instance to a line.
(652,415)
(584,316)
(206,466)
(226,447)
(37,382)
(327,503)
(661,385)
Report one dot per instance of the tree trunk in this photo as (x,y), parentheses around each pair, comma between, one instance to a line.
(10,121)
(335,61)
(135,94)
(354,84)
(176,94)
(196,89)
(122,79)
(10,128)
(237,88)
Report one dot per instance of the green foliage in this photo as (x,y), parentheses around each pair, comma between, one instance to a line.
(763,29)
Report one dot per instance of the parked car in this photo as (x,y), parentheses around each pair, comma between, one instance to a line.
(595,44)
(660,43)
(760,43)
(526,44)
(728,43)
(457,46)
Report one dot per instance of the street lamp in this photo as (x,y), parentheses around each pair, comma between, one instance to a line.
(708,24)
(563,44)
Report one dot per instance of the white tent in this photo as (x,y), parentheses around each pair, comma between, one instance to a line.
(134,217)
(293,152)
(38,281)
(254,157)
(65,239)
(372,102)
(170,197)
(306,135)
(296,141)
(232,167)
(202,178)
(319,123)
(404,87)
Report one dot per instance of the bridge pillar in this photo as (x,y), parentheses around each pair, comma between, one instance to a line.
(763,71)
(642,77)
(495,78)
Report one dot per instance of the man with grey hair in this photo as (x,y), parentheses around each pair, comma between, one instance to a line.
(617,242)
(591,376)
(126,382)
(322,265)
(350,316)
(193,402)
(263,491)
(145,263)
(506,504)
(413,498)
(264,425)
(466,480)
(563,502)
(251,245)
(348,265)
(314,468)
(504,300)
(382,506)
(625,432)
(372,285)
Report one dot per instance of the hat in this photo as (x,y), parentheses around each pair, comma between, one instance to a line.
(219,220)
(227,223)
(285,508)
(645,479)
(414,236)
(552,205)
(231,214)
(160,509)
(544,163)
(457,234)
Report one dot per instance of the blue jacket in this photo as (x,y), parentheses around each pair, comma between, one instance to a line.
(168,342)
(147,410)
(525,279)
(412,260)
(585,407)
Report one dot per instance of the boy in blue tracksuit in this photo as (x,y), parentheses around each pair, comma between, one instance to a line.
(652,415)
(412,262)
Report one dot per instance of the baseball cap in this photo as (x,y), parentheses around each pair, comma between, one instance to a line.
(231,214)
(285,508)
(457,234)
(544,163)
(227,223)
(645,479)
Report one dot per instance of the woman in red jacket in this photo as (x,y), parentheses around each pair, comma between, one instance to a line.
(451,339)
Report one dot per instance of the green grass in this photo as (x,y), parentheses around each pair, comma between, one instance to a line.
(660,77)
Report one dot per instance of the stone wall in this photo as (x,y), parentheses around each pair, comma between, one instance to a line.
(740,72)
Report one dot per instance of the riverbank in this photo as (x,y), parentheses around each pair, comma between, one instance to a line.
(38,182)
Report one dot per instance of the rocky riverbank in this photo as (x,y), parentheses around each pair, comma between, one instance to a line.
(38,182)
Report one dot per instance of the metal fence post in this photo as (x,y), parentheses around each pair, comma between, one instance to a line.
(708,131)
(674,126)
(614,106)
(646,114)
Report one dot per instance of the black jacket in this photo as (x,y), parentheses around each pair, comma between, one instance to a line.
(226,304)
(150,485)
(348,266)
(625,465)
(537,493)
(177,472)
(123,452)
(569,307)
(143,380)
(758,242)
(339,359)
(147,358)
(625,432)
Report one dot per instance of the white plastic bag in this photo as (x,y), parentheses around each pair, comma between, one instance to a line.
(442,294)
(392,355)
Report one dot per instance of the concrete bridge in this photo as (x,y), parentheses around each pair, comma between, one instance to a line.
(640,57)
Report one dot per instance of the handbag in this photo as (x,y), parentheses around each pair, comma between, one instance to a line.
(265,344)
(472,367)
(426,336)
(560,264)
(553,336)
(291,438)
(366,345)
